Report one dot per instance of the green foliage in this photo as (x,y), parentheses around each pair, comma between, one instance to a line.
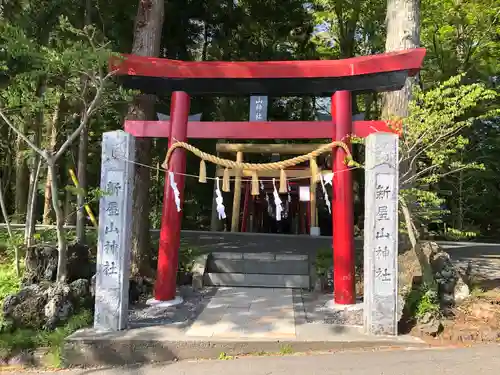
(324,260)
(224,357)
(435,136)
(187,257)
(348,28)
(286,349)
(7,244)
(9,282)
(423,300)
(24,339)
(452,234)
(460,37)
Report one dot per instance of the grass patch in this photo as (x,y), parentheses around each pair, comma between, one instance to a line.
(286,350)
(323,261)
(224,357)
(9,282)
(27,339)
(423,300)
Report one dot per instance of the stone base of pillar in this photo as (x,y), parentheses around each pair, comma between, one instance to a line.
(173,302)
(314,231)
(331,305)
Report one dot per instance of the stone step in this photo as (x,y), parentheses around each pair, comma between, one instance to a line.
(257,280)
(257,266)
(260,256)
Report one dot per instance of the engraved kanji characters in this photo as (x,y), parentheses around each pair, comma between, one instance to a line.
(382,213)
(113,209)
(111,247)
(382,235)
(382,192)
(113,188)
(382,252)
(383,274)
(111,228)
(109,268)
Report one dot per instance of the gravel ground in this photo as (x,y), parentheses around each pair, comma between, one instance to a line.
(141,315)
(317,311)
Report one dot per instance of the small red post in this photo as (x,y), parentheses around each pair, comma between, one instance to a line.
(170,230)
(343,205)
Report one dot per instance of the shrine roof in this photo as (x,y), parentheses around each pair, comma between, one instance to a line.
(381,72)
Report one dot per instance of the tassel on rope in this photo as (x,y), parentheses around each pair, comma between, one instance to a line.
(314,169)
(255,183)
(225,181)
(203,172)
(283,188)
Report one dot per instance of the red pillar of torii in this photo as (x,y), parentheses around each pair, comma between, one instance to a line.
(335,78)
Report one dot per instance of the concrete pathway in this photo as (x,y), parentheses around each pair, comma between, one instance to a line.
(466,361)
(247,312)
(232,321)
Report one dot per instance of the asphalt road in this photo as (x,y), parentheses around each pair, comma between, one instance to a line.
(482,360)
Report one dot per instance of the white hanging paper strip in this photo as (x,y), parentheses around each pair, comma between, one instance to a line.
(177,194)
(325,194)
(277,201)
(328,178)
(289,189)
(261,185)
(218,200)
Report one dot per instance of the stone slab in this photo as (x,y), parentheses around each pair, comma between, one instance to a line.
(381,234)
(257,280)
(114,234)
(246,312)
(228,255)
(273,267)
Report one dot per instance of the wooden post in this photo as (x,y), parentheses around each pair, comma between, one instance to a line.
(235,218)
(313,222)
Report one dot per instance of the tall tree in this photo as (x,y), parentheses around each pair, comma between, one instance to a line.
(403,32)
(147,37)
(83,153)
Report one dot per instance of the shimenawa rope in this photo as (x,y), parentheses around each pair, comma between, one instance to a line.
(255,167)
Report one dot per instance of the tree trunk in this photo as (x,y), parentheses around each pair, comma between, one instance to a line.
(35,168)
(82,181)
(403,32)
(147,37)
(69,212)
(83,147)
(29,230)
(61,235)
(22,175)
(52,129)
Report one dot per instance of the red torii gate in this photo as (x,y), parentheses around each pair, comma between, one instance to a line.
(383,72)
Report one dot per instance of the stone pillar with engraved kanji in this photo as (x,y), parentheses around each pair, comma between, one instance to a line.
(114,237)
(381,235)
